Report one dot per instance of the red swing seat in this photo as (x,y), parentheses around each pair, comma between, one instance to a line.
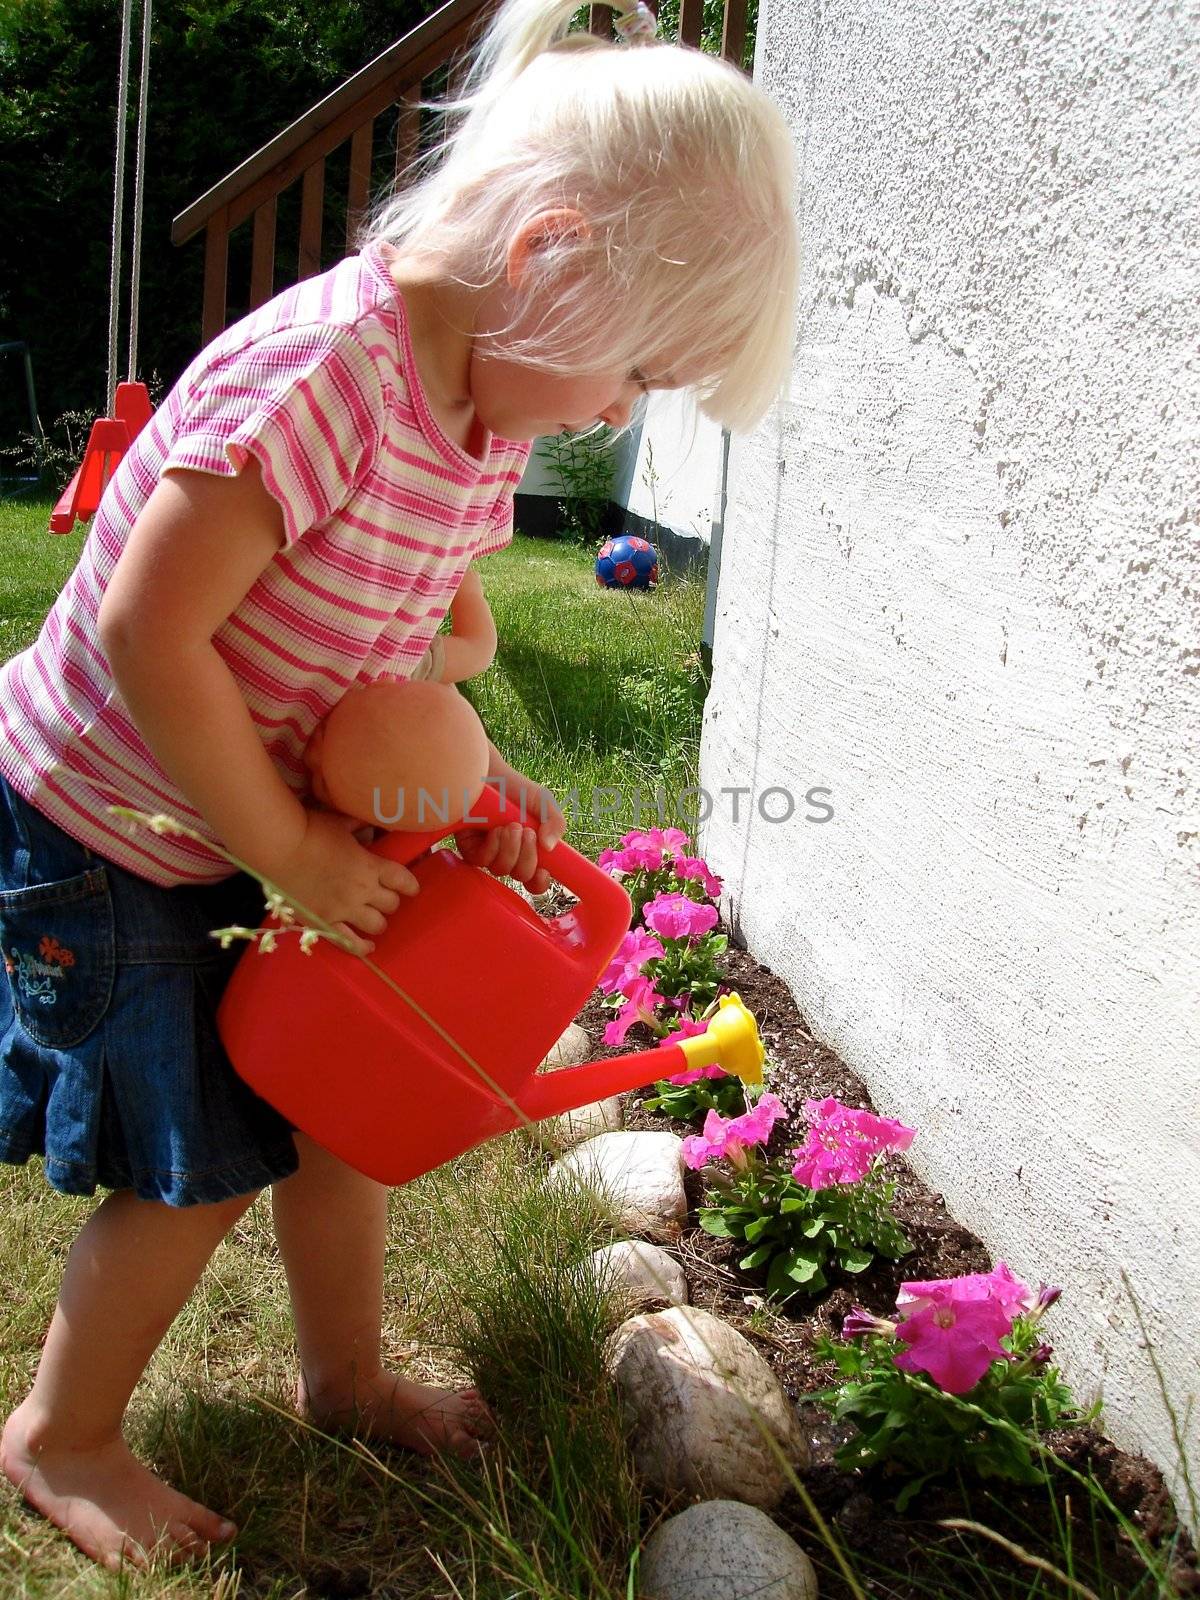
(108,441)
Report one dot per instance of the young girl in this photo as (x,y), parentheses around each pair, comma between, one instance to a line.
(608,218)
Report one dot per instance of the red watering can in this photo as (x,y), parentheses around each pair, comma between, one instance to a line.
(352,1064)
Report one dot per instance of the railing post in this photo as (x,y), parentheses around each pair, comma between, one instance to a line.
(312,200)
(600,21)
(216,270)
(733,34)
(408,131)
(691,22)
(262,258)
(359,190)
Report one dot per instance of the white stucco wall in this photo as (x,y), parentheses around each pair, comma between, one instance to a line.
(959,588)
(676,474)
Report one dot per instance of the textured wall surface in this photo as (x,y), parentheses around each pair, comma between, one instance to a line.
(959,588)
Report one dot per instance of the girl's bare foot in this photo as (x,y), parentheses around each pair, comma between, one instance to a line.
(103,1499)
(396,1410)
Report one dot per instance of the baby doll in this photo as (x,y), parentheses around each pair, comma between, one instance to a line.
(411,754)
(399,754)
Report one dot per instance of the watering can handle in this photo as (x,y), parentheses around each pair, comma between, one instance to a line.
(590,930)
(488,810)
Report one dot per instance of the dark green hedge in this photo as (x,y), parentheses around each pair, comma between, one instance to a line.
(226,75)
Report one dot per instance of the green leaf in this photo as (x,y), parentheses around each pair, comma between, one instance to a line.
(757,1257)
(782,1284)
(756,1229)
(802,1267)
(813,1229)
(854,1260)
(791,1204)
(714,1222)
(912,1488)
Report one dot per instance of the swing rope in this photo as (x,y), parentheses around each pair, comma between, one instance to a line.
(118,224)
(139,174)
(114,282)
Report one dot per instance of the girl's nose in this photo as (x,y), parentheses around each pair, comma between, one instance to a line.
(618,414)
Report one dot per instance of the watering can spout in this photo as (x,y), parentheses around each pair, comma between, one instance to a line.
(731,1041)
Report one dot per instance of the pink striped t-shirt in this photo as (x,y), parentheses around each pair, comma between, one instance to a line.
(382,515)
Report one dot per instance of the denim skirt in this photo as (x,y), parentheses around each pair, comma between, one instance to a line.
(111,1068)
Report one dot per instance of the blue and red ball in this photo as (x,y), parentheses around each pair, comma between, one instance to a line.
(627,563)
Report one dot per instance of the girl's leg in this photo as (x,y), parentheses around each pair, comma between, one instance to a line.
(331,1223)
(129,1272)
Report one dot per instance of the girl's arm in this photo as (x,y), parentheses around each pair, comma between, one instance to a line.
(193,553)
(471,647)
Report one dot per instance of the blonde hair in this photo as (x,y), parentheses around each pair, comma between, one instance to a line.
(684,172)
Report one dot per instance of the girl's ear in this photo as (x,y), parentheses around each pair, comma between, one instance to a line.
(540,231)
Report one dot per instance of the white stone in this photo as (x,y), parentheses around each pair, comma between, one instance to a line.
(703,1408)
(584,1122)
(640,1174)
(724,1550)
(568,1051)
(643,1273)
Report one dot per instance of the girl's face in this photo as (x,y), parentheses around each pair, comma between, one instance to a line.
(516,401)
(520,402)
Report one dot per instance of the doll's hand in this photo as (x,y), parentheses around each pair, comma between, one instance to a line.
(511,850)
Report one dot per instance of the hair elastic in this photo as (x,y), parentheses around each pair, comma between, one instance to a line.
(635,21)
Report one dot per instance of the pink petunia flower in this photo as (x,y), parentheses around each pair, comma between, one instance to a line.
(843,1142)
(643,850)
(953,1326)
(1000,1285)
(694,1074)
(954,1340)
(674,916)
(641,999)
(858,1321)
(695,867)
(633,952)
(630,858)
(673,840)
(728,1138)
(688,1028)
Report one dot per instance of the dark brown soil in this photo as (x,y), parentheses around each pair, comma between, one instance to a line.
(910,1556)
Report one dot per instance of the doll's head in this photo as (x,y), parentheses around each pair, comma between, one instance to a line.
(660,185)
(399,755)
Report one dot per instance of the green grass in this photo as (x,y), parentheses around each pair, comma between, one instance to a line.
(34,565)
(594,690)
(590,688)
(479,1280)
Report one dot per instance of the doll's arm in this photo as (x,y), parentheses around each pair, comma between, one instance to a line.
(470,647)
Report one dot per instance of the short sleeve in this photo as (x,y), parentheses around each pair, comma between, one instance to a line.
(306,403)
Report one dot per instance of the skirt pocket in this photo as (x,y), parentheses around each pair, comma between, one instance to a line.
(59,954)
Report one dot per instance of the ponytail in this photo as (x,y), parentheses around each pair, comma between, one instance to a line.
(520,31)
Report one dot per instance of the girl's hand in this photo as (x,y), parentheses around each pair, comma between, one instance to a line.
(331,874)
(511,851)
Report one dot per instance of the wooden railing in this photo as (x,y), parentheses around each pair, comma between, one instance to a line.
(380,147)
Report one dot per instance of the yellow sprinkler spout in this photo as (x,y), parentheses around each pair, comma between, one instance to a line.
(731,1042)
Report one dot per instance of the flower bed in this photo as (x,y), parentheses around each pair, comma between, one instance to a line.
(805,1224)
